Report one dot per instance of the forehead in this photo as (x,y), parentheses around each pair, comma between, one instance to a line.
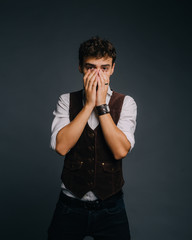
(98,61)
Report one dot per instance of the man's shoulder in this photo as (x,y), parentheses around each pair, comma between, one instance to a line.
(120,94)
(127,98)
(65,96)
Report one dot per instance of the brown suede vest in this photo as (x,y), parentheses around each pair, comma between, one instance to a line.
(90,164)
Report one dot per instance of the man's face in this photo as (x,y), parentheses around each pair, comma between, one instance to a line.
(104,64)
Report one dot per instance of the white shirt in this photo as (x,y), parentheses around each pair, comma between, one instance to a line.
(126,123)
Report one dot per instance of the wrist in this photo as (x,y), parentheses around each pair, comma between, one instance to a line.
(89,106)
(100,103)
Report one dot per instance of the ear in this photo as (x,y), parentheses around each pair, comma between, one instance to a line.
(112,69)
(80,69)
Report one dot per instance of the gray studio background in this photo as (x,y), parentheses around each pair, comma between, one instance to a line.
(39,61)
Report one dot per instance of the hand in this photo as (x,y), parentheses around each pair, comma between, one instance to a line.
(101,94)
(90,83)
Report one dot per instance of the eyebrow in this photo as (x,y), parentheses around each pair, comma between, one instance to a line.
(105,65)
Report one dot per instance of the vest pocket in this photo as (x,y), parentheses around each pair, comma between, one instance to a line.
(73,165)
(112,168)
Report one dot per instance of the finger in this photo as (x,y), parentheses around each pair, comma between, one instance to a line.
(104,76)
(87,76)
(106,79)
(87,73)
(99,82)
(88,79)
(90,82)
(92,73)
(94,85)
(102,79)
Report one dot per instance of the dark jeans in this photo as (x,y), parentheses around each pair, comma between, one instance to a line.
(75,223)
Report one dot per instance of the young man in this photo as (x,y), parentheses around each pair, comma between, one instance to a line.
(94,129)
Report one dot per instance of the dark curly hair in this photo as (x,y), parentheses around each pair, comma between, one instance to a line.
(96,47)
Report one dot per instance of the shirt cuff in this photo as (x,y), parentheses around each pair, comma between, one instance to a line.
(131,139)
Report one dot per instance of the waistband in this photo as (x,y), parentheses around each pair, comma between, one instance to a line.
(91,205)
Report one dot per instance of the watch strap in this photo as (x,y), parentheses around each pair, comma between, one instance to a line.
(102,109)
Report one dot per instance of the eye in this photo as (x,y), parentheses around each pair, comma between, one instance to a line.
(105,69)
(91,68)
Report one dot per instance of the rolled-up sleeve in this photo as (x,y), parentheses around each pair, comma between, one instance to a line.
(127,120)
(61,118)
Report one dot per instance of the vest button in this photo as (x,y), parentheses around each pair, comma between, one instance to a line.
(91,135)
(90,183)
(91,171)
(91,148)
(90,159)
